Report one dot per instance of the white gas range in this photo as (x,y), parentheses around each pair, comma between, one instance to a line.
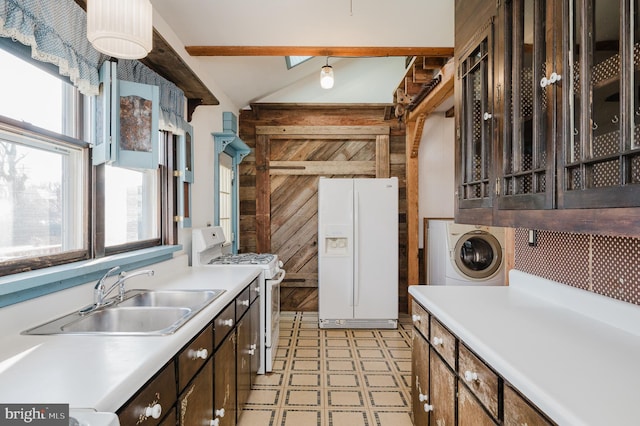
(208,251)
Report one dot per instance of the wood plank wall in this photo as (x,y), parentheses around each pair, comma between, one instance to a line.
(292,146)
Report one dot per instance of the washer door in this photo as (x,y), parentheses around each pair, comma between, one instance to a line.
(478,255)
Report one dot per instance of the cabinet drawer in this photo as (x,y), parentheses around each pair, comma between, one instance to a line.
(444,342)
(470,411)
(255,289)
(420,318)
(479,378)
(161,390)
(242,302)
(518,411)
(224,323)
(193,356)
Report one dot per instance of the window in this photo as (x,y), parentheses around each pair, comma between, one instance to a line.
(43,169)
(41,197)
(293,61)
(226,195)
(131,205)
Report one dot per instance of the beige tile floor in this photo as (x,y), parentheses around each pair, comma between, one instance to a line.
(334,377)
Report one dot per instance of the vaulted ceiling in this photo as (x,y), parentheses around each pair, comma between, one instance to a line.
(236,48)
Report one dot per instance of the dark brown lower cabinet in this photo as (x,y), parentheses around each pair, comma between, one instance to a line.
(518,411)
(443,391)
(243,360)
(254,312)
(225,381)
(451,385)
(170,419)
(151,403)
(420,379)
(195,403)
(470,411)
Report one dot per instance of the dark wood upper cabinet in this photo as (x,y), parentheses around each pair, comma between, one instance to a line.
(600,157)
(561,147)
(474,94)
(528,134)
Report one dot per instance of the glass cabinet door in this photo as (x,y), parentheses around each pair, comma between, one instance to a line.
(475,189)
(531,76)
(601,156)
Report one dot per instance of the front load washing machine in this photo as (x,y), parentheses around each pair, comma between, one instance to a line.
(465,254)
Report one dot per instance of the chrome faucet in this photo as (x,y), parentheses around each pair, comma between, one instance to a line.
(100,293)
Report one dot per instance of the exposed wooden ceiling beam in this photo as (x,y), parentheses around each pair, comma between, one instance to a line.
(336,51)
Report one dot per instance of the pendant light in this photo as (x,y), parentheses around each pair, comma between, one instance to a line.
(120,28)
(326,76)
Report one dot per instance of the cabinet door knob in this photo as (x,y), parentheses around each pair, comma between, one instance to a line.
(544,82)
(200,353)
(228,322)
(470,376)
(154,411)
(415,318)
(554,77)
(487,116)
(219,413)
(214,422)
(428,407)
(423,397)
(437,341)
(244,302)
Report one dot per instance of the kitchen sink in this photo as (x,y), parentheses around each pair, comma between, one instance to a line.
(130,321)
(192,299)
(140,313)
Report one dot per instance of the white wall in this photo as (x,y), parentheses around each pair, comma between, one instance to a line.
(205,121)
(436,170)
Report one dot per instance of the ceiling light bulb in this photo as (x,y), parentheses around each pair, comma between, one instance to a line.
(120,28)
(326,77)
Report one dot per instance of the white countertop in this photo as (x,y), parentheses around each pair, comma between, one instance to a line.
(99,372)
(576,355)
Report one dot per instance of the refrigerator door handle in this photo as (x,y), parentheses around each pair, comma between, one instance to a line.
(356,244)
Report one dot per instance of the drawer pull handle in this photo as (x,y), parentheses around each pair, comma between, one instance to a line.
(470,376)
(437,341)
(244,302)
(415,318)
(219,413)
(228,322)
(423,397)
(428,407)
(200,353)
(214,422)
(155,411)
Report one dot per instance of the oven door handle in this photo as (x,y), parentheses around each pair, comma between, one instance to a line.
(279,278)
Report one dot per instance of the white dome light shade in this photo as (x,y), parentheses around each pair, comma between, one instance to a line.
(120,28)
(326,77)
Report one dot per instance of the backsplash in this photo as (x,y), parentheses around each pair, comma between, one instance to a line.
(605,265)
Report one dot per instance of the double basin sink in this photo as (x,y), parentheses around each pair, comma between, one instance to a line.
(141,312)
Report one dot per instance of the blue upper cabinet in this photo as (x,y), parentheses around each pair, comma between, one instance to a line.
(104,111)
(184,174)
(127,122)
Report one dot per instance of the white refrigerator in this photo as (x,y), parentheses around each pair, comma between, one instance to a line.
(358,253)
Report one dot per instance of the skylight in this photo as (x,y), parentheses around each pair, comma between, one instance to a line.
(292,61)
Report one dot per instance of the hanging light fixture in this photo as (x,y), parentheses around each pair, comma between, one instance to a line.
(120,28)
(326,76)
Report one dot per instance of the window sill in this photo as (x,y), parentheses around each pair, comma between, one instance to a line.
(28,285)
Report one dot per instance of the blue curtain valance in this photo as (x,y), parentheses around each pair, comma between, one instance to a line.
(56,31)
